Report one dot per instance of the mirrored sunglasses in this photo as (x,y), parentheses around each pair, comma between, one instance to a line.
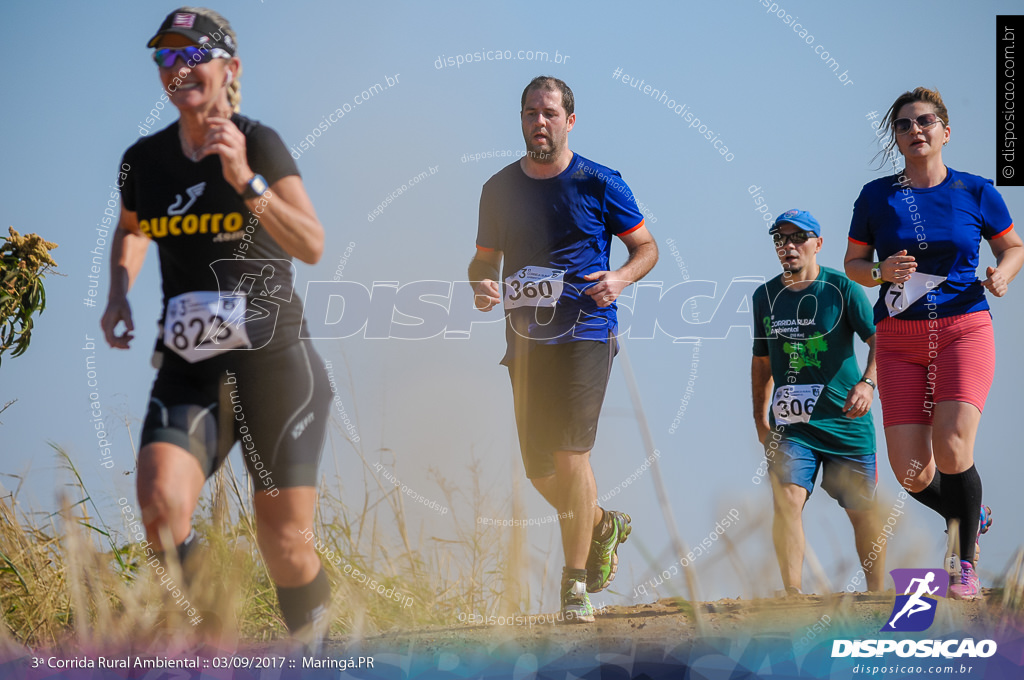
(166,56)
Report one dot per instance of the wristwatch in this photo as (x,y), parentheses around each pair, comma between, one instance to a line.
(870,382)
(255,187)
(876,272)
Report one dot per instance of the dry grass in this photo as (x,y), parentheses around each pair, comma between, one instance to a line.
(76,580)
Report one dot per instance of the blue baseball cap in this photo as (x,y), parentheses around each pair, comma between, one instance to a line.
(798,218)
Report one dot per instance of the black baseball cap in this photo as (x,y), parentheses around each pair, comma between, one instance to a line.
(198,28)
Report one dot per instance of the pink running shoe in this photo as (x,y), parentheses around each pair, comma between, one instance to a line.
(969,587)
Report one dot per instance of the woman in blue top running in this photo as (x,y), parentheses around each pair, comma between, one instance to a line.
(935,348)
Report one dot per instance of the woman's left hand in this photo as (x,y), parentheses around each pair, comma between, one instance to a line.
(996,282)
(225,139)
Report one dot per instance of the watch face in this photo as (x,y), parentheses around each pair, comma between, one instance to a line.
(258,184)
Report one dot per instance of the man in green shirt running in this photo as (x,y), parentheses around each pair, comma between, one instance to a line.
(812,404)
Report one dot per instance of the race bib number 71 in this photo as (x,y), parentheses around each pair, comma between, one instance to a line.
(203,324)
(901,295)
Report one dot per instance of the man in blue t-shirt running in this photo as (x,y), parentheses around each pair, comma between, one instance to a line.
(551,216)
(812,404)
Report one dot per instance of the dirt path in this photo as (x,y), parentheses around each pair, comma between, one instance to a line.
(673,620)
(730,633)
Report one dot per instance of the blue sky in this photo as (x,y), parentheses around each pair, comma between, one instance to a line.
(79,81)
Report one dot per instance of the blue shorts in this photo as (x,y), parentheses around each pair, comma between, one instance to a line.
(851,480)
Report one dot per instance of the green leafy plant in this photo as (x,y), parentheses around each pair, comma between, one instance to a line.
(24,261)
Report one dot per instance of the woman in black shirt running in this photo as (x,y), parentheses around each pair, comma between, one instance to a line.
(224,202)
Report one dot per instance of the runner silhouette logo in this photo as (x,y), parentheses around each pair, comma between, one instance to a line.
(914,610)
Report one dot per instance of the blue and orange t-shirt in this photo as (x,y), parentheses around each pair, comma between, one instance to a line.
(563,228)
(942,227)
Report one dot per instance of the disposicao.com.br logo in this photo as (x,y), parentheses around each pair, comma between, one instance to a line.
(914,611)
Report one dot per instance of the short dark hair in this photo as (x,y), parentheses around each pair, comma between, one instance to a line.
(551,84)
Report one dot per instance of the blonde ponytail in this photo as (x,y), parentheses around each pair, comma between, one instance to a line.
(235,92)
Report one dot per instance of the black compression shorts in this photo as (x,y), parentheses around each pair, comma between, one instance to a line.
(558,391)
(276,404)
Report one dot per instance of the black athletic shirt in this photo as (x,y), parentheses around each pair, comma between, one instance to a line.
(197,218)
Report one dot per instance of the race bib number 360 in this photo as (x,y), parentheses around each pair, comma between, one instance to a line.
(534,287)
(203,324)
(795,403)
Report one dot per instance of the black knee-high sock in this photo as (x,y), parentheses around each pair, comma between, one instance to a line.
(931,496)
(188,546)
(183,550)
(305,604)
(962,495)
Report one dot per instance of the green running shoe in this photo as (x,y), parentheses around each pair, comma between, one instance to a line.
(603,562)
(576,607)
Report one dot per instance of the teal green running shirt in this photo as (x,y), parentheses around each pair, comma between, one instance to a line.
(809,337)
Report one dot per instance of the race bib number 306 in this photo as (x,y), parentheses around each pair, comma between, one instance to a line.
(534,287)
(203,324)
(795,403)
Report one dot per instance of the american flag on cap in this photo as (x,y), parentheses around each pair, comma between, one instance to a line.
(194,26)
(183,20)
